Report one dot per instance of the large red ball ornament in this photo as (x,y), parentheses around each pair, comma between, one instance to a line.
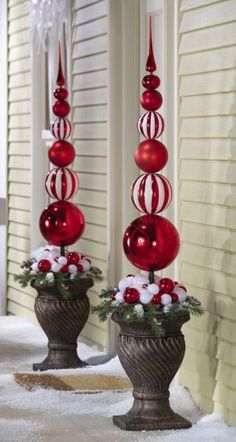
(151,242)
(62,223)
(62,153)
(151,156)
(61,108)
(131,295)
(151,100)
(151,81)
(62,183)
(151,193)
(151,125)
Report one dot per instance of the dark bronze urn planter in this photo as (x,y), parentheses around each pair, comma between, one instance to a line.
(150,363)
(62,320)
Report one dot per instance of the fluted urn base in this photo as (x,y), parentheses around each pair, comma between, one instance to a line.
(62,321)
(151,363)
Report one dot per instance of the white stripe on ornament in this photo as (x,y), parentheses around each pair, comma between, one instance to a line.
(145,125)
(161,191)
(152,124)
(58,187)
(136,193)
(148,193)
(69,179)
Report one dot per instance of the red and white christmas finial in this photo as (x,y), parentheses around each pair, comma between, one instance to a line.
(151,242)
(61,223)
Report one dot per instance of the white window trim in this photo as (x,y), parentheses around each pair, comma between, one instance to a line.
(3,162)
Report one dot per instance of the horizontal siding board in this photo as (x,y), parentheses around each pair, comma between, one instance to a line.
(90,97)
(192,4)
(19,243)
(18,202)
(19,24)
(201,277)
(19,66)
(18,11)
(92,12)
(90,130)
(21,298)
(208,127)
(208,149)
(19,176)
(209,38)
(91,147)
(208,257)
(18,39)
(15,285)
(210,171)
(17,257)
(91,198)
(19,230)
(16,121)
(19,107)
(211,193)
(19,94)
(90,63)
(211,15)
(210,236)
(78,4)
(91,79)
(20,189)
(90,114)
(19,80)
(19,148)
(213,60)
(207,105)
(208,83)
(19,52)
(87,164)
(20,310)
(92,46)
(21,162)
(220,216)
(95,215)
(19,216)
(19,135)
(93,181)
(89,30)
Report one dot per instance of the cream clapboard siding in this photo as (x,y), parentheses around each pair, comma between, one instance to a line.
(207,61)
(19,301)
(89,91)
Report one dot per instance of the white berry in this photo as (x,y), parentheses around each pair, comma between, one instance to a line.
(34,267)
(85,264)
(145,296)
(140,279)
(119,297)
(62,260)
(166,299)
(56,267)
(72,268)
(153,289)
(181,293)
(125,282)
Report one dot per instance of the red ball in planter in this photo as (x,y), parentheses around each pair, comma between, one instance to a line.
(151,242)
(62,223)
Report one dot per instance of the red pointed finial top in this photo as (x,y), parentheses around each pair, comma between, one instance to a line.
(150,64)
(60,75)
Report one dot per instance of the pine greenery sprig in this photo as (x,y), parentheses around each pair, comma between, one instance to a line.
(60,280)
(152,314)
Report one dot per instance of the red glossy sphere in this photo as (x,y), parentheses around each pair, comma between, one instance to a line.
(62,153)
(64,268)
(73,258)
(151,156)
(44,265)
(79,267)
(61,108)
(166,285)
(151,242)
(131,295)
(62,223)
(156,299)
(60,93)
(151,81)
(151,100)
(174,297)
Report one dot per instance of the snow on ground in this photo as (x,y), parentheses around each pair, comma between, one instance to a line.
(57,416)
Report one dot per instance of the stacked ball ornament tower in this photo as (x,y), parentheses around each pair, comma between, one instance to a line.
(61,223)
(151,242)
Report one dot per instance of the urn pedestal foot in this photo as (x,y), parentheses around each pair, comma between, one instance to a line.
(137,423)
(59,359)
